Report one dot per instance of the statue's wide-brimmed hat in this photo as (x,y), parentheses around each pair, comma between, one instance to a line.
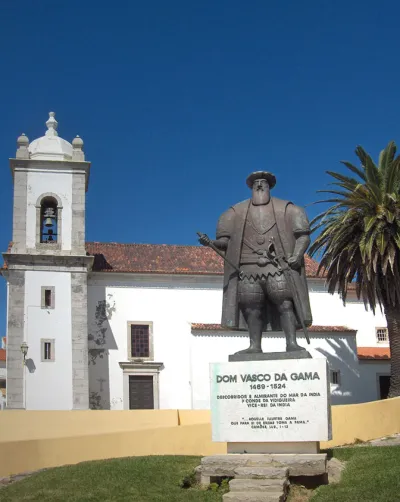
(261,175)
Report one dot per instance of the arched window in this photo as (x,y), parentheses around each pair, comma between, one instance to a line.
(48,220)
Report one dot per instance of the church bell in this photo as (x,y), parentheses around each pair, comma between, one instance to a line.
(49,214)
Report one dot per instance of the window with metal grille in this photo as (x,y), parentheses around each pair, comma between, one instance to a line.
(140,340)
(47,350)
(382,335)
(335,377)
(47,297)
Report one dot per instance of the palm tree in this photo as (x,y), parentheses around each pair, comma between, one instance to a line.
(359,240)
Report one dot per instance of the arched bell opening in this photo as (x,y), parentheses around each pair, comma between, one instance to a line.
(48,220)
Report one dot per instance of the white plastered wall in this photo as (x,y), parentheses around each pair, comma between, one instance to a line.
(171,304)
(329,310)
(48,384)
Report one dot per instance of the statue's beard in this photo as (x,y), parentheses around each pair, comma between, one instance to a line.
(260,197)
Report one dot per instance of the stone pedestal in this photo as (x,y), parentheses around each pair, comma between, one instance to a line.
(284,401)
(272,414)
(259,477)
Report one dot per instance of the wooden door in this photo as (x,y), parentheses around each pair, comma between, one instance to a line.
(141,395)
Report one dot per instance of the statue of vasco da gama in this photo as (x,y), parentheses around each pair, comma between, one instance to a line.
(251,235)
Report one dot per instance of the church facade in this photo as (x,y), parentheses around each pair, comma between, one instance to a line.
(129,326)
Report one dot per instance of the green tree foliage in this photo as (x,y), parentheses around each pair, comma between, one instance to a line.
(359,239)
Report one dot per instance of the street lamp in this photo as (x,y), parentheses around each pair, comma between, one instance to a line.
(24,349)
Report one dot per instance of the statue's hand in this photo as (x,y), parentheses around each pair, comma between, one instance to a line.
(295,261)
(205,240)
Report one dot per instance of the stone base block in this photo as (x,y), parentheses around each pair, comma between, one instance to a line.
(274,447)
(257,485)
(274,475)
(298,464)
(253,497)
(205,480)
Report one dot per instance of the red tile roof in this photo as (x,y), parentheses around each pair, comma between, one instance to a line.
(312,329)
(163,259)
(373,353)
(2,355)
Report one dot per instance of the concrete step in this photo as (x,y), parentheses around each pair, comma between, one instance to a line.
(280,473)
(270,486)
(252,497)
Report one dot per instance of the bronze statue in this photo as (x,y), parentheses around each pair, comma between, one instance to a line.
(263,241)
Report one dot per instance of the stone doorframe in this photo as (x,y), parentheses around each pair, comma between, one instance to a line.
(139,367)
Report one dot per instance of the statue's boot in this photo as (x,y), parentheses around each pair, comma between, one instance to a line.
(291,343)
(288,321)
(251,350)
(255,345)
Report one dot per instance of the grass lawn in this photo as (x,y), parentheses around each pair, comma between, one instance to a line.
(135,479)
(372,474)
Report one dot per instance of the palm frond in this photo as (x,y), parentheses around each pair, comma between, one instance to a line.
(359,234)
(386,157)
(392,177)
(346,180)
(354,169)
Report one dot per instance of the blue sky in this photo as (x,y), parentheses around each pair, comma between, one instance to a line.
(177,102)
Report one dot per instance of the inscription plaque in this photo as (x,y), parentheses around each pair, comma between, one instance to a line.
(270,401)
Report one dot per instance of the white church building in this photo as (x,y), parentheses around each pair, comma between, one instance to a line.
(132,326)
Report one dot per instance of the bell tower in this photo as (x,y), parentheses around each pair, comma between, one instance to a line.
(46,270)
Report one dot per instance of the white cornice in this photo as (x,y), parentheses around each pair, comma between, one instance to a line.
(48,166)
(70,263)
(141,366)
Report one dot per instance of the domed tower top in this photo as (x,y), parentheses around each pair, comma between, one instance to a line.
(51,146)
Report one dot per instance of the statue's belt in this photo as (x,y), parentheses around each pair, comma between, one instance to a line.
(260,261)
(265,256)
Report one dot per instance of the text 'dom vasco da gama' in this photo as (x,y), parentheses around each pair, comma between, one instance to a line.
(270,401)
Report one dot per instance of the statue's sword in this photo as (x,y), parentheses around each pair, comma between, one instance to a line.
(220,253)
(283,265)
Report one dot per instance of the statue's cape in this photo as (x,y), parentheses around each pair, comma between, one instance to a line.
(290,220)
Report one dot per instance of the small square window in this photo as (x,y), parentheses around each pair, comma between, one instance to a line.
(335,377)
(382,335)
(47,300)
(47,347)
